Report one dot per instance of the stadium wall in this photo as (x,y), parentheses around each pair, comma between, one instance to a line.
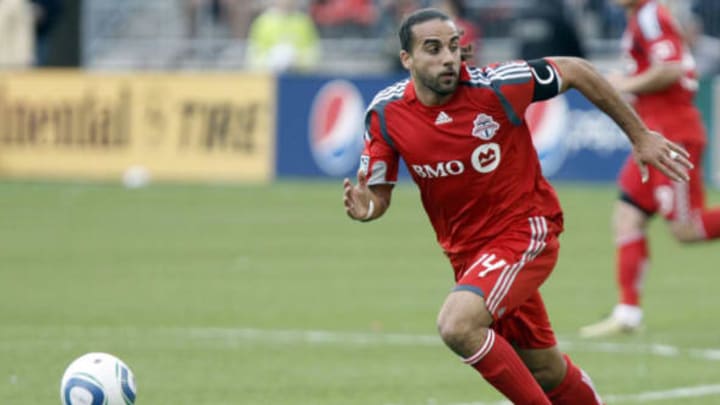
(254,128)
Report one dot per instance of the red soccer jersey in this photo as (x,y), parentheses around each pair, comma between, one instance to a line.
(472,158)
(652,37)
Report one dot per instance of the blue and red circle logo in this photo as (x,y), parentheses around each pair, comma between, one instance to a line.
(336,126)
(548,122)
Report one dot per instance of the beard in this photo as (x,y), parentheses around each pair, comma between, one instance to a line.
(439,84)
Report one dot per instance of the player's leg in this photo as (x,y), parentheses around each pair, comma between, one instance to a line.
(530,331)
(689,220)
(630,218)
(464,325)
(574,387)
(491,286)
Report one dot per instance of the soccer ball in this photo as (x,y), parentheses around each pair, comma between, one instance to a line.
(97,379)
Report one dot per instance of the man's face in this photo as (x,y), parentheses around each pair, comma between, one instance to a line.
(434,59)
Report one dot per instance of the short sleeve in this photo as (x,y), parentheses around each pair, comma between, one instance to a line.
(379,160)
(514,85)
(520,83)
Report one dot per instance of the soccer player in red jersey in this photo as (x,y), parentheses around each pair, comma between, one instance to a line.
(461,133)
(662,78)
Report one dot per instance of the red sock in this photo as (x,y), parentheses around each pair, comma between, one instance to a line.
(711,223)
(575,389)
(632,260)
(500,365)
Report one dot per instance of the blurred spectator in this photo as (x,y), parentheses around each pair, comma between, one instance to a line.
(47,13)
(235,15)
(703,36)
(348,18)
(283,38)
(16,34)
(392,13)
(708,12)
(543,29)
(470,39)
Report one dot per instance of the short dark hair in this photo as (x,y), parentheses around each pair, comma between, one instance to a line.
(417,17)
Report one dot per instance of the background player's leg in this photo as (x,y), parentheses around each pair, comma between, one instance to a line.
(463,325)
(632,254)
(704,226)
(690,220)
(563,381)
(711,223)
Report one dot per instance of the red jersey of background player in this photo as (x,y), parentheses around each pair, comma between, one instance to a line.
(652,36)
(472,158)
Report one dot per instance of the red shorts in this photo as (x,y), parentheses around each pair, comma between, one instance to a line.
(674,201)
(507,273)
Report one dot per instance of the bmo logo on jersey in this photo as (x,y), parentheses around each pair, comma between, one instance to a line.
(484,159)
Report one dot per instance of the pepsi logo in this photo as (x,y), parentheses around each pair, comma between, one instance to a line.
(548,122)
(336,127)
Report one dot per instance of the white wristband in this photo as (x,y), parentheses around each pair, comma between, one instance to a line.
(371,210)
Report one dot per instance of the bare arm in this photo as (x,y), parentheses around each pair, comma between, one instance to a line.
(648,147)
(363,202)
(656,78)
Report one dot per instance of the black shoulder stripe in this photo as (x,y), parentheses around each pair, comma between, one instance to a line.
(379,109)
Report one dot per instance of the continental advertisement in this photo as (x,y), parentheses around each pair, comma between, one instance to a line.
(176,127)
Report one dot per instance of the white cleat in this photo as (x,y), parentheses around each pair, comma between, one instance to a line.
(608,327)
(625,319)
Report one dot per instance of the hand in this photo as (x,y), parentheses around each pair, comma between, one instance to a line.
(671,159)
(357,198)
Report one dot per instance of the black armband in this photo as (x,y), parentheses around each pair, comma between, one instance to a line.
(547,79)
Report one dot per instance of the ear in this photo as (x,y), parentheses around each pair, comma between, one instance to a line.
(405,58)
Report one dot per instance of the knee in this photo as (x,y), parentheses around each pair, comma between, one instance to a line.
(463,325)
(457,332)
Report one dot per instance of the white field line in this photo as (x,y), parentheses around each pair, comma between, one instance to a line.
(642,397)
(234,336)
(675,393)
(372,339)
(327,337)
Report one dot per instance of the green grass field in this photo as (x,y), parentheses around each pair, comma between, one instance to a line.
(270,295)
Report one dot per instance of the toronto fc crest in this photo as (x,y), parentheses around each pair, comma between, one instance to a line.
(484,127)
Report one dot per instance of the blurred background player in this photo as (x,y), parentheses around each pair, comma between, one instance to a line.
(663,81)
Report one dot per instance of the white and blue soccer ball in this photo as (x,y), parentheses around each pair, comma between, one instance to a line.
(98,379)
